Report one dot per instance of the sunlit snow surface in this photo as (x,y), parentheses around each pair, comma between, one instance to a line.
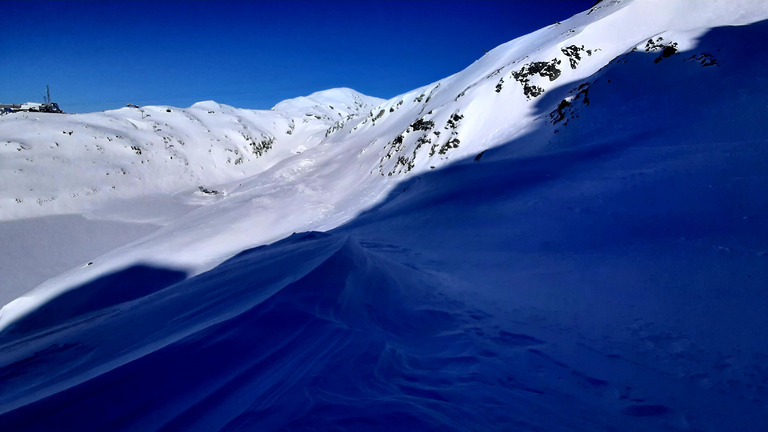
(592,254)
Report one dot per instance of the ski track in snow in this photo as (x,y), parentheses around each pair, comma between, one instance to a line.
(570,234)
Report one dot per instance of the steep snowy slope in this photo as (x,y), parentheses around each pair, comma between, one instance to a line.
(570,234)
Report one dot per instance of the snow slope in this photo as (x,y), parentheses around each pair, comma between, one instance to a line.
(570,234)
(135,152)
(137,169)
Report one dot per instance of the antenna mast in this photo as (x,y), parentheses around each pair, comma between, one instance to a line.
(48,94)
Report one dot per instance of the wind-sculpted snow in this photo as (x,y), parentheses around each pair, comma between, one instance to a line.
(570,234)
(316,332)
(349,339)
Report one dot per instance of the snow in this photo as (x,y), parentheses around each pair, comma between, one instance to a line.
(570,234)
(32,260)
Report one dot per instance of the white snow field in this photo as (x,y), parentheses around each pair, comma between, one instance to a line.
(569,235)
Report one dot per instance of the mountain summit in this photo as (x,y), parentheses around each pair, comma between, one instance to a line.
(569,234)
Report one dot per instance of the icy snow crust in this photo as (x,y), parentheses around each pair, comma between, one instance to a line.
(570,234)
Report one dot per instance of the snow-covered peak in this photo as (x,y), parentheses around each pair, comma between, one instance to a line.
(206,105)
(138,151)
(335,99)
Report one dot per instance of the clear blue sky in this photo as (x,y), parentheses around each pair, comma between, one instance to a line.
(99,55)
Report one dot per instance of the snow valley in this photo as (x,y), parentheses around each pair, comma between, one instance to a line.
(569,234)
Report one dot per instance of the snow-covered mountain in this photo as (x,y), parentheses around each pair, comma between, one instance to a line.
(570,234)
(131,152)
